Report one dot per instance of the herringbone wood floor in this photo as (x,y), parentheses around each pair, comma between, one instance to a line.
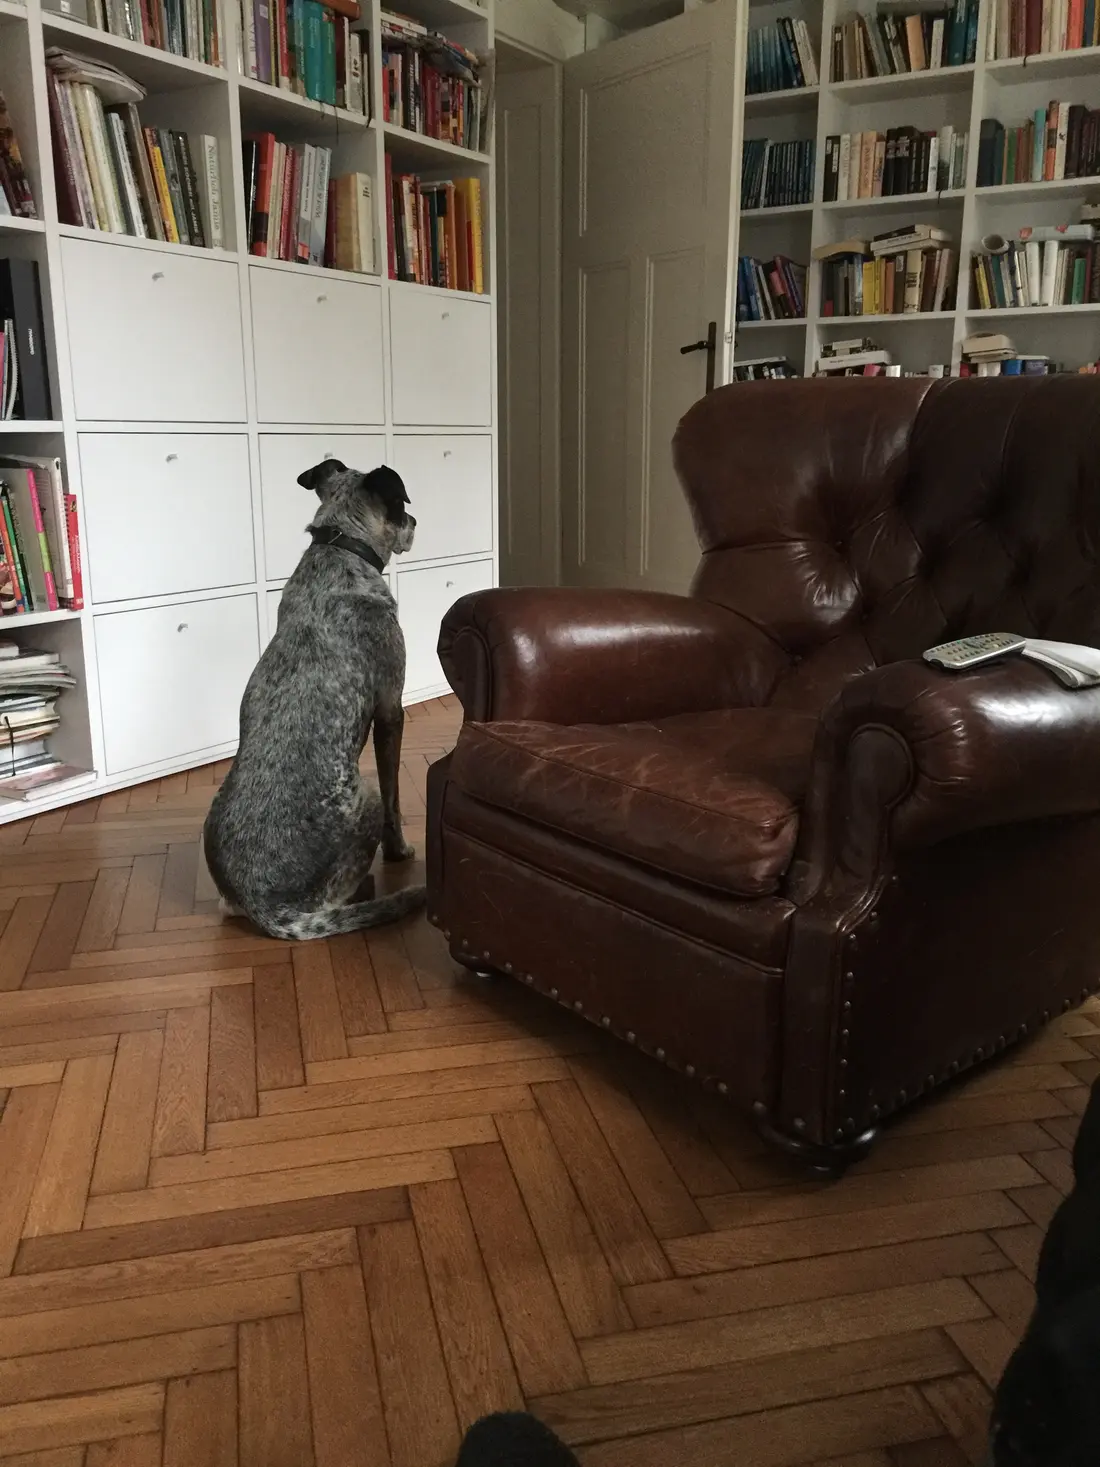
(324,1205)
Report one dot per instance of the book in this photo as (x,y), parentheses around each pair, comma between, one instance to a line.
(27,372)
(190,29)
(16,196)
(1038,27)
(21,487)
(61,534)
(912,275)
(774,174)
(435,231)
(781,57)
(770,290)
(432,85)
(1059,141)
(904,36)
(1039,269)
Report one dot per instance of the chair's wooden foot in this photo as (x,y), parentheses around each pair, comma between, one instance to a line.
(829,1162)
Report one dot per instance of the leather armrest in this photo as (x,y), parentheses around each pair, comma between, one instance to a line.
(595,656)
(912,755)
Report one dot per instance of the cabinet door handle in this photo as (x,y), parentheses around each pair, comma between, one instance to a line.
(170,458)
(182,627)
(710,346)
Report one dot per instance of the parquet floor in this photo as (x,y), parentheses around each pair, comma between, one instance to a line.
(324,1205)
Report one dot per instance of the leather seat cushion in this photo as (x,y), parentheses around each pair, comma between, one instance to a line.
(710,798)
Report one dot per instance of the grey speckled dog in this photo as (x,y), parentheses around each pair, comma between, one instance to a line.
(293,831)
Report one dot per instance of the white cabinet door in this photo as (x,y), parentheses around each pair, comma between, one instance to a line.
(318,347)
(449,480)
(288,508)
(273,599)
(154,337)
(441,360)
(166,513)
(423,599)
(171,678)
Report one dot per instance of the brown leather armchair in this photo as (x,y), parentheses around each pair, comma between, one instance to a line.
(748,830)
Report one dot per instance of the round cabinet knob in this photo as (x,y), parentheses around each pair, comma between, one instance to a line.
(446,316)
(446,453)
(158,274)
(170,458)
(182,627)
(449,585)
(321,299)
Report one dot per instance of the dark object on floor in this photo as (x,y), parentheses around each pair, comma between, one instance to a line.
(513,1439)
(1046,1410)
(748,830)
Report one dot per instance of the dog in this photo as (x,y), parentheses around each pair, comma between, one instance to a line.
(293,831)
(513,1439)
(1046,1409)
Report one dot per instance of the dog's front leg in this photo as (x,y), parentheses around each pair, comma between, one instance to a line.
(388,728)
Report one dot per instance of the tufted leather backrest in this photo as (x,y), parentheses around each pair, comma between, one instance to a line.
(858,521)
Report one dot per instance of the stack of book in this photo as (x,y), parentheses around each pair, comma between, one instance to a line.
(1038,27)
(1048,265)
(763,369)
(39,540)
(903,272)
(857,357)
(435,231)
(992,354)
(295,211)
(770,290)
(431,85)
(903,36)
(902,160)
(114,174)
(30,684)
(185,27)
(307,48)
(781,57)
(774,174)
(24,371)
(1060,141)
(15,190)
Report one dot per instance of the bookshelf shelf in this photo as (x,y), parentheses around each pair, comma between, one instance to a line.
(267,107)
(898,318)
(156,70)
(909,202)
(775,211)
(418,151)
(230,376)
(959,97)
(783,323)
(13,225)
(1048,189)
(905,84)
(1045,65)
(794,99)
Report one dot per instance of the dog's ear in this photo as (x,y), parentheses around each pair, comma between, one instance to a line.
(388,488)
(318,476)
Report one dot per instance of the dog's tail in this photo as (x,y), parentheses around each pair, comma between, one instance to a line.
(296,926)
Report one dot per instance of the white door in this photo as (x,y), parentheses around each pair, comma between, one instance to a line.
(651,176)
(528,219)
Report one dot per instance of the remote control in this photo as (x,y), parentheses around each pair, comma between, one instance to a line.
(974,651)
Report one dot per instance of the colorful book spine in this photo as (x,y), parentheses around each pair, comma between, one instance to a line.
(73,531)
(52,603)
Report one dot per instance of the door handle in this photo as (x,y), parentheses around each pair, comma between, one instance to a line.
(710,346)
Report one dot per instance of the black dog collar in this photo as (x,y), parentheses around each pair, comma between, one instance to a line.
(330,535)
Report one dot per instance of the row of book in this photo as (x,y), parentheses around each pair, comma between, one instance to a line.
(307,48)
(114,174)
(763,369)
(902,160)
(1039,27)
(770,290)
(24,370)
(188,28)
(30,683)
(1060,141)
(781,57)
(16,197)
(39,539)
(431,85)
(1039,269)
(902,37)
(902,272)
(435,231)
(776,174)
(296,211)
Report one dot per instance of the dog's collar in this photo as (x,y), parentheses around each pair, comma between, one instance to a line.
(330,535)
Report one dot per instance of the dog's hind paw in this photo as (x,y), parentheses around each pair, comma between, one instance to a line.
(394,850)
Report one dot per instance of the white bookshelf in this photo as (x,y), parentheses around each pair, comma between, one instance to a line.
(962,96)
(194,385)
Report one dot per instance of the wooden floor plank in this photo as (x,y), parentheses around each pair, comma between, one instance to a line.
(70,1372)
(345,1401)
(416,1392)
(65,1173)
(179,1125)
(200,1420)
(278,1045)
(231,1082)
(126,1139)
(24,1129)
(41,1425)
(273,1394)
(320,1023)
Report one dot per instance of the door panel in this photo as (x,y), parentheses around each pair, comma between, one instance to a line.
(650,180)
